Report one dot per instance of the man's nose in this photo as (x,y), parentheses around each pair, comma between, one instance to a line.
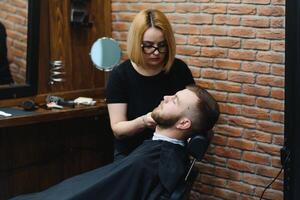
(167,98)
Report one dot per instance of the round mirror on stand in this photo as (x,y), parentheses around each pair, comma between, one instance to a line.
(105,53)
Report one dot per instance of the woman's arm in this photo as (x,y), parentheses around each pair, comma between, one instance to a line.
(121,127)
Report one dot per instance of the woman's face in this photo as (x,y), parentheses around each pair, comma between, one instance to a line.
(154,47)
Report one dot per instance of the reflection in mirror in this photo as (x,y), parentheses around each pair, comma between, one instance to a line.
(105,53)
(14,35)
(21,20)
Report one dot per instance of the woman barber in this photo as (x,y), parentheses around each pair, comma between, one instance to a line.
(137,85)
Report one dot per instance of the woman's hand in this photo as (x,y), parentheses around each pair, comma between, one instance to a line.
(148,121)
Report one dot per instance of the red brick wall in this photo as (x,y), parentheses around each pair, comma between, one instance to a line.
(235,48)
(13,14)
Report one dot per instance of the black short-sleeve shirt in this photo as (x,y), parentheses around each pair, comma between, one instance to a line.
(143,93)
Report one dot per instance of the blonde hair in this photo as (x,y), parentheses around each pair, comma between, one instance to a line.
(145,19)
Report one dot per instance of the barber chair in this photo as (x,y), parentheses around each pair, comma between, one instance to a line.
(196,149)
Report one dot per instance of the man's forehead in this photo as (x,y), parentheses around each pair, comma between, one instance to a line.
(186,94)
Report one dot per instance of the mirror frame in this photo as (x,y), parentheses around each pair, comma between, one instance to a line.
(30,87)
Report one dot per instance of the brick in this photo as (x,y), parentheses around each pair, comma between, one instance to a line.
(256,67)
(259,22)
(270,80)
(187,8)
(120,26)
(277,93)
(230,108)
(242,121)
(272,194)
(257,135)
(200,40)
(278,22)
(254,179)
(219,96)
(241,99)
(186,29)
(241,54)
(276,162)
(188,50)
(271,33)
(257,1)
(241,166)
(213,52)
(181,39)
(227,64)
(268,149)
(214,8)
(271,127)
(278,2)
(270,103)
(195,72)
(225,194)
(200,19)
(227,173)
(242,144)
(228,86)
(270,57)
(277,116)
(176,19)
(277,185)
(243,32)
(240,187)
(219,140)
(241,77)
(211,30)
(200,62)
(228,1)
(228,152)
(277,70)
(213,180)
(229,130)
(119,7)
(278,46)
(241,10)
(278,140)
(256,44)
(256,90)
(275,11)
(227,20)
(227,42)
(257,113)
(207,84)
(256,158)
(214,74)
(216,160)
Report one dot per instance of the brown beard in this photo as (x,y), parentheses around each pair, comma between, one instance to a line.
(163,122)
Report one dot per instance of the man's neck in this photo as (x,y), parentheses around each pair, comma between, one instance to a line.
(170,132)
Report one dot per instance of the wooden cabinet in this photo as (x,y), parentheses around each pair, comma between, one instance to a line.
(36,156)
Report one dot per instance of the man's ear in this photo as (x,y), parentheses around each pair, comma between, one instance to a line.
(184,123)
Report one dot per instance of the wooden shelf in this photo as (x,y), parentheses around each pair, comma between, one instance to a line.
(45,115)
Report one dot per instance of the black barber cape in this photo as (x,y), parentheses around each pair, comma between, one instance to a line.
(154,169)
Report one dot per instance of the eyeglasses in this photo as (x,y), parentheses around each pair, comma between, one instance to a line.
(150,49)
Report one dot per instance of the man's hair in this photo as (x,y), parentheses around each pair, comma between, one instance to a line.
(145,19)
(207,110)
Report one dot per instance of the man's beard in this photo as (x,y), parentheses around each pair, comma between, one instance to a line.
(163,121)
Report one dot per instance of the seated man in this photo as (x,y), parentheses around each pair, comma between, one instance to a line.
(155,168)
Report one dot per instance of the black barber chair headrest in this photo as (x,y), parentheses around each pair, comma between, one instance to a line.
(198,145)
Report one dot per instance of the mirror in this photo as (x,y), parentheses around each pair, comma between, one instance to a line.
(105,53)
(26,85)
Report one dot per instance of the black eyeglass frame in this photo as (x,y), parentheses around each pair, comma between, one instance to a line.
(143,46)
